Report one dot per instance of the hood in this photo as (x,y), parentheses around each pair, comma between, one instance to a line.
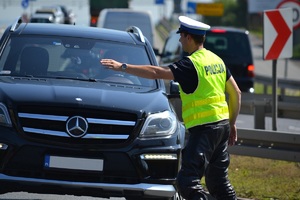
(82,94)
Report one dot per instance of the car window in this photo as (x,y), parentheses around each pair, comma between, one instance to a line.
(55,57)
(41,20)
(173,46)
(228,45)
(172,50)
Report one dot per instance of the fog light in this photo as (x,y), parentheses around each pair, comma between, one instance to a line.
(3,146)
(159,156)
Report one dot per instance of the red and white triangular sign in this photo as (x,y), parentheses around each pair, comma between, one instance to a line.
(278,34)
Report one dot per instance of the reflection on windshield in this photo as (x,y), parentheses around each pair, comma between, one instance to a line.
(70,58)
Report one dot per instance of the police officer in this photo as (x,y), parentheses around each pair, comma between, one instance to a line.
(210,119)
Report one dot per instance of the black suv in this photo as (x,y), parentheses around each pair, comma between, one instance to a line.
(70,126)
(231,44)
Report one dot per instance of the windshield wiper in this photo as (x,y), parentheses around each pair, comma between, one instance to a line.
(72,78)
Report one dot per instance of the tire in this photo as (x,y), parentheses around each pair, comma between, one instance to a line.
(175,197)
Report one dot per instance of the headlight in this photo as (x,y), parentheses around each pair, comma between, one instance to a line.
(4,116)
(159,124)
(157,156)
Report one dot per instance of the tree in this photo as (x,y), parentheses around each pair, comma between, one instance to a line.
(235,14)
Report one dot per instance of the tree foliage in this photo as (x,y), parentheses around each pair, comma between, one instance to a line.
(235,14)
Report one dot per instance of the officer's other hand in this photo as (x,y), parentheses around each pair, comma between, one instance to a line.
(233,135)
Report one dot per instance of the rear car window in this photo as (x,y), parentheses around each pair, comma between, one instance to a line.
(228,45)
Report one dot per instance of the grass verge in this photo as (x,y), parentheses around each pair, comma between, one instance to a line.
(265,179)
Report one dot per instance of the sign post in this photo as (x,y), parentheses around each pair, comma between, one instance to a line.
(278,36)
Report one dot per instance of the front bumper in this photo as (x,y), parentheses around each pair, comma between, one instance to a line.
(144,189)
(126,171)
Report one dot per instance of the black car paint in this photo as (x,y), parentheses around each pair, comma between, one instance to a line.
(125,174)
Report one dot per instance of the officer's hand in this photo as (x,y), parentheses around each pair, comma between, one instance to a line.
(233,135)
(111,64)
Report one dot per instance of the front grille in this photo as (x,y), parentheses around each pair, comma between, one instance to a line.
(51,123)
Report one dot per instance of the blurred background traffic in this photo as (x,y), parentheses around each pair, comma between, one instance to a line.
(238,13)
(82,12)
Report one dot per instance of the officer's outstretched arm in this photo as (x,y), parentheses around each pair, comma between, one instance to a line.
(145,71)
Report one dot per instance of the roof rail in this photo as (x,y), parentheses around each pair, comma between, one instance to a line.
(137,31)
(16,24)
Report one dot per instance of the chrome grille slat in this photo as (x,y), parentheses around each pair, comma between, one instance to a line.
(111,122)
(43,125)
(64,134)
(44,117)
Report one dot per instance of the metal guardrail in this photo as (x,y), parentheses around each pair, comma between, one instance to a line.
(282,83)
(267,144)
(260,105)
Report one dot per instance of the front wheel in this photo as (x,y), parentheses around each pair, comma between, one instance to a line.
(175,197)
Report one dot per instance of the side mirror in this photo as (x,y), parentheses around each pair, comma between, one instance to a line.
(156,52)
(174,90)
(174,98)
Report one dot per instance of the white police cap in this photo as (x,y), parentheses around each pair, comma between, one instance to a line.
(192,26)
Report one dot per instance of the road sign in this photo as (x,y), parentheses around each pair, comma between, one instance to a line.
(210,9)
(25,3)
(278,37)
(159,1)
(191,7)
(295,5)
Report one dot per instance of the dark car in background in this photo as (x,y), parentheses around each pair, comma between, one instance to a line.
(69,125)
(41,18)
(60,13)
(231,44)
(55,11)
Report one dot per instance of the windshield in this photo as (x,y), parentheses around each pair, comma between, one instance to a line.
(74,58)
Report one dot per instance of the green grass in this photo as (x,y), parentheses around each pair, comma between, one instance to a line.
(264,179)
(296,51)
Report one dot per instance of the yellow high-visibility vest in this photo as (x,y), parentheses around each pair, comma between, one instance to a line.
(207,104)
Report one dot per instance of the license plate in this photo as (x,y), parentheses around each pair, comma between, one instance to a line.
(73,163)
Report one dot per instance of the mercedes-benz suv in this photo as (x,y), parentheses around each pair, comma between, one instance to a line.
(70,126)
